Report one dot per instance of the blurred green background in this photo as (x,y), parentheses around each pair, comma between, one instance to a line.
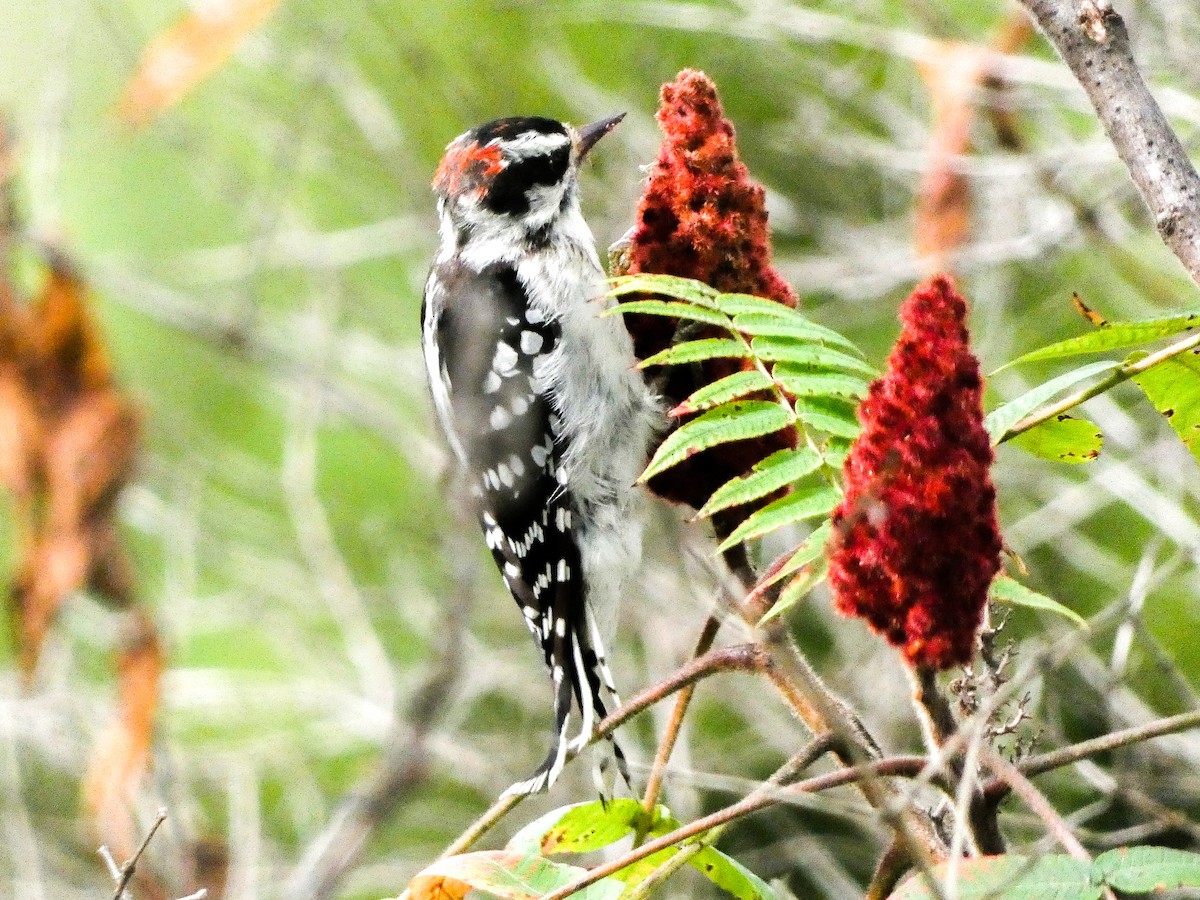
(257,254)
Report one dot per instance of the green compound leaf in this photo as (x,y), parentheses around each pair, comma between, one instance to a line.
(511,876)
(999,420)
(1010,877)
(777,470)
(817,383)
(798,506)
(1007,590)
(697,351)
(687,289)
(730,422)
(1112,336)
(1146,870)
(1062,439)
(1173,387)
(731,387)
(731,876)
(830,415)
(671,309)
(796,358)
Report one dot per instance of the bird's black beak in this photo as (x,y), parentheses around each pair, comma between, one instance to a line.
(588,135)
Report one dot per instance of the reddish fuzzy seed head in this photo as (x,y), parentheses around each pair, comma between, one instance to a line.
(701,216)
(917,540)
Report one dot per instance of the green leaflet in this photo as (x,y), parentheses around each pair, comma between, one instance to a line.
(517,876)
(736,304)
(1001,419)
(1062,439)
(777,470)
(696,351)
(1009,877)
(809,552)
(1112,336)
(798,506)
(830,415)
(1006,590)
(793,325)
(731,387)
(1173,387)
(1132,870)
(817,383)
(667,285)
(729,422)
(1147,870)
(798,358)
(672,309)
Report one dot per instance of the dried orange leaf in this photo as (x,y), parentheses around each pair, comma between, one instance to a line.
(187,53)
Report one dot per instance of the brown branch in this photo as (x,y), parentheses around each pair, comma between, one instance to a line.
(1091,38)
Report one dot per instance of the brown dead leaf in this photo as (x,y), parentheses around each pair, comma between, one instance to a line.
(1087,312)
(437,887)
(952,75)
(65,341)
(122,755)
(187,53)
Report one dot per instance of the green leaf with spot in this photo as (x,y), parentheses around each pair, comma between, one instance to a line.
(731,876)
(1006,590)
(799,506)
(778,470)
(730,422)
(1112,336)
(1064,438)
(1005,417)
(671,309)
(687,289)
(1147,870)
(1173,387)
(697,351)
(731,387)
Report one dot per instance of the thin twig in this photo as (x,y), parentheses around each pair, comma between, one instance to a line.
(123,876)
(1092,40)
(667,743)
(1056,759)
(1038,803)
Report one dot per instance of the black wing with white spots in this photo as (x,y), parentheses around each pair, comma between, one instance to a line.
(489,350)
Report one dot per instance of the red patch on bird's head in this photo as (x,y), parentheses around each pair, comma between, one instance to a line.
(468,167)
